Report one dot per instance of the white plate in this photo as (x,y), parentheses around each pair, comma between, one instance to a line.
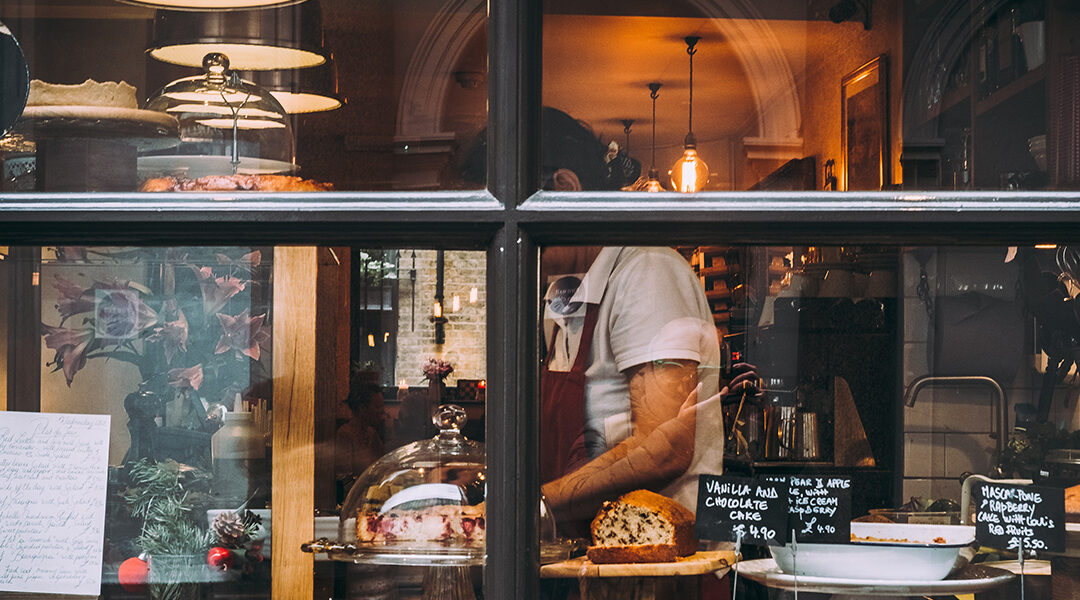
(194,167)
(765,572)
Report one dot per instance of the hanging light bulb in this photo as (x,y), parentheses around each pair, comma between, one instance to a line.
(689,174)
(651,183)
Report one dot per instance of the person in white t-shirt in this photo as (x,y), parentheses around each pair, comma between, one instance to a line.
(651,412)
(630,381)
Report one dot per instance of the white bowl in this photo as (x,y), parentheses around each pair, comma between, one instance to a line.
(917,557)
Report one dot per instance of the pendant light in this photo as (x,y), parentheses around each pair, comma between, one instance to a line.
(299,91)
(255,40)
(652,182)
(689,174)
(211,4)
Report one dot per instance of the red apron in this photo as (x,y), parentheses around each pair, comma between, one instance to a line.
(562,407)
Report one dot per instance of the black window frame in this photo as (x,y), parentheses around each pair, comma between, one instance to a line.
(510,221)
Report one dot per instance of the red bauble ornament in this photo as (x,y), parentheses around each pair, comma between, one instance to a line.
(219,557)
(132,574)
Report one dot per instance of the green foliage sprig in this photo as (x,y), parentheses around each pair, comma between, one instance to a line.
(162,495)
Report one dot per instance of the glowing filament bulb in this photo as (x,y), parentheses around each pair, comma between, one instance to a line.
(689,174)
(437,312)
(371,340)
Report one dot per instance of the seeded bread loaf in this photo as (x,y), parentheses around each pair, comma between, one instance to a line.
(642,527)
(1072,504)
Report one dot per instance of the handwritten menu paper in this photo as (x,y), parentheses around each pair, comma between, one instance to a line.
(1006,514)
(733,507)
(53,475)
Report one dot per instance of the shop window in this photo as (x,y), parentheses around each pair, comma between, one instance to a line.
(851,95)
(343,95)
(178,372)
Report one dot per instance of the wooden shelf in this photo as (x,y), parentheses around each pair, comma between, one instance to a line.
(1011,89)
(714,271)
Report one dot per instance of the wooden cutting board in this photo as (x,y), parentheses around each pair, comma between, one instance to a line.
(695,564)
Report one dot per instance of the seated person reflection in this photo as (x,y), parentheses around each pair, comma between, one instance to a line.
(630,382)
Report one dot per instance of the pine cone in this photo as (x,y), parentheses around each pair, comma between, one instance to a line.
(230,529)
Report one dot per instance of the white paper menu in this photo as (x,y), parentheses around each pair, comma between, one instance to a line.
(54,469)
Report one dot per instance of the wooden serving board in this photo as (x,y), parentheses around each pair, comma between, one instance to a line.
(695,564)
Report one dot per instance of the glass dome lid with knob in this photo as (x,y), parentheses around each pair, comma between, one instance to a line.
(227,126)
(422,504)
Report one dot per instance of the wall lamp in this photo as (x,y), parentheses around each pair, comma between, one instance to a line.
(437,316)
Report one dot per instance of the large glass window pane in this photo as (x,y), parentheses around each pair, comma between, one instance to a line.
(343,95)
(844,95)
(164,399)
(906,369)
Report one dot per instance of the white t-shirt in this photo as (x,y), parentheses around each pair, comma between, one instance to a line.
(652,307)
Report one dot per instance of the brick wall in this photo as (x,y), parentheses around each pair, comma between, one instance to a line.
(465,347)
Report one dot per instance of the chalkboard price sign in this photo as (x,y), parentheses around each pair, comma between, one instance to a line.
(732,507)
(1007,514)
(820,508)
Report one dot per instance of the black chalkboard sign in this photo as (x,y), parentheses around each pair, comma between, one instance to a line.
(732,507)
(1006,514)
(819,508)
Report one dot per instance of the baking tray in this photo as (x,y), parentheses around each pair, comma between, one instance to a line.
(696,564)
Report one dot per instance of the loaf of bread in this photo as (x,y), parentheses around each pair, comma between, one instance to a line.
(641,527)
(1072,504)
(235,183)
(117,94)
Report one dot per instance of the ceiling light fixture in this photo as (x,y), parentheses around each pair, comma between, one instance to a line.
(690,174)
(254,40)
(301,90)
(652,182)
(195,5)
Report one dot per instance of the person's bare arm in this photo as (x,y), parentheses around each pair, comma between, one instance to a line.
(663,395)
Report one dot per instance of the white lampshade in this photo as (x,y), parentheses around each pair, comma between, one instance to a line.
(211,4)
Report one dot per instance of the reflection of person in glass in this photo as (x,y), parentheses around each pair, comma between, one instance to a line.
(624,402)
(630,385)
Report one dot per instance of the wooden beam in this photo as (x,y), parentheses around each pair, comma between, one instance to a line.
(293,486)
(332,322)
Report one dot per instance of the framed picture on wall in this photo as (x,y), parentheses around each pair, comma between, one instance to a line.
(864,126)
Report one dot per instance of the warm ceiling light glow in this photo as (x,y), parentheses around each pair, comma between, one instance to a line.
(242,57)
(1045,246)
(241,123)
(211,4)
(211,95)
(305,103)
(690,173)
(217,109)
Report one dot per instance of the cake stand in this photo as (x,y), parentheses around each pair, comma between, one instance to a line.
(93,148)
(447,575)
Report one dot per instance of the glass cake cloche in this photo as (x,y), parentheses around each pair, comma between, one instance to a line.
(228,125)
(422,504)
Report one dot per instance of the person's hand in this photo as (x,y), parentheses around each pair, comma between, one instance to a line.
(745,380)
